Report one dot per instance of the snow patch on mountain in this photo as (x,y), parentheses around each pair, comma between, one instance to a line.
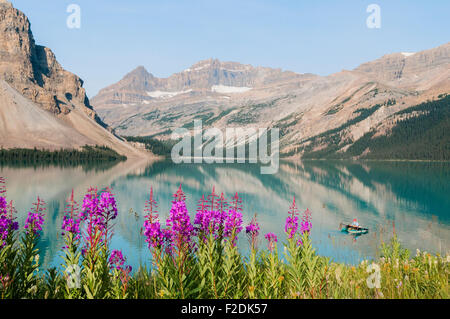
(197,68)
(166,94)
(229,89)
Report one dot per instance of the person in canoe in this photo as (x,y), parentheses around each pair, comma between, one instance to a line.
(355,223)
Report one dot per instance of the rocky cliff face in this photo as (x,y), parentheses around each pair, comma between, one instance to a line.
(421,70)
(33,81)
(33,70)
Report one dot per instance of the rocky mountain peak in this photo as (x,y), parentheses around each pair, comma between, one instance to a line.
(139,79)
(139,72)
(41,104)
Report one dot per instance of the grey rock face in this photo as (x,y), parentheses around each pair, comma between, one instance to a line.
(41,104)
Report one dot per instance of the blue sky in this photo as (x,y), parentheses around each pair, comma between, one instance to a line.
(167,36)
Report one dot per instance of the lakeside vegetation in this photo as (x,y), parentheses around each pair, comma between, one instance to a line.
(65,157)
(157,147)
(199,258)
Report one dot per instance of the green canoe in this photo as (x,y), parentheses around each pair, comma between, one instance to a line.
(353,229)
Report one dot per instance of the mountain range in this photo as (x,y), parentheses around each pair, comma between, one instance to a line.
(312,112)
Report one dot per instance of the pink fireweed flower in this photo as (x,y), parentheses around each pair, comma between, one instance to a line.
(154,234)
(2,186)
(202,204)
(306,224)
(108,206)
(221,208)
(91,213)
(116,260)
(7,225)
(6,210)
(179,228)
(3,206)
(35,218)
(151,212)
(99,210)
(252,231)
(33,223)
(293,210)
(179,224)
(236,203)
(212,198)
(11,211)
(233,225)
(222,204)
(71,225)
(91,208)
(179,196)
(291,226)
(272,240)
(208,223)
(167,240)
(157,238)
(71,219)
(305,227)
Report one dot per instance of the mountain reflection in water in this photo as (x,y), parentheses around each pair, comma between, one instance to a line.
(413,196)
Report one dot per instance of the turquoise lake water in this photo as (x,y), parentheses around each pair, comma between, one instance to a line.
(412,196)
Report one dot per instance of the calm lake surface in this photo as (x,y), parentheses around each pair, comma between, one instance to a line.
(415,196)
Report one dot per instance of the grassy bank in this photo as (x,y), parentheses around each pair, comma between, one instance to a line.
(199,258)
